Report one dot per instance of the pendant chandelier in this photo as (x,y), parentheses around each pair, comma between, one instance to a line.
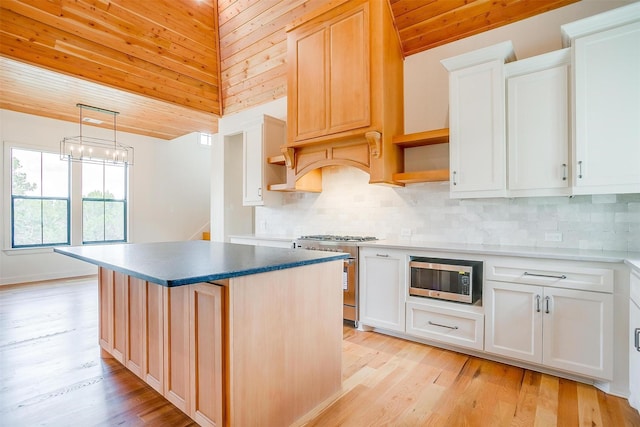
(87,149)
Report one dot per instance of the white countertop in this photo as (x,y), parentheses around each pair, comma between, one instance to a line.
(632,259)
(520,251)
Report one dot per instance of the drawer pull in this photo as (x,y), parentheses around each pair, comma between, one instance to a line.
(637,340)
(537,303)
(442,326)
(550,276)
(546,300)
(383,255)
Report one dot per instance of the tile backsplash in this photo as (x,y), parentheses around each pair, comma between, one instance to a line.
(348,204)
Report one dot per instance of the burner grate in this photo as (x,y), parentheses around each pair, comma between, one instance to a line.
(336,238)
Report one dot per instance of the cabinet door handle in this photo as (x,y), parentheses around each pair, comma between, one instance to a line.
(442,326)
(383,255)
(454,178)
(546,301)
(537,303)
(259,192)
(551,276)
(564,171)
(580,169)
(637,339)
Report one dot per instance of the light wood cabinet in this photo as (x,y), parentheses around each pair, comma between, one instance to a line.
(176,347)
(332,75)
(382,288)
(345,90)
(172,338)
(477,145)
(606,66)
(538,125)
(560,328)
(205,353)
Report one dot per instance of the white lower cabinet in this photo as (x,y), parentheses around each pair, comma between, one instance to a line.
(565,329)
(382,288)
(458,327)
(634,347)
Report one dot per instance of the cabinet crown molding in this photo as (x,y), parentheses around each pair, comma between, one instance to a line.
(501,51)
(600,22)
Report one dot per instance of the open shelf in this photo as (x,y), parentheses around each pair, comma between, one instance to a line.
(276,160)
(419,139)
(422,176)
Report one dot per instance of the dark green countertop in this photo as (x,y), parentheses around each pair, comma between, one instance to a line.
(185,263)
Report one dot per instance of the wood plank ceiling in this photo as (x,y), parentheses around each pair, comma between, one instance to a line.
(171,67)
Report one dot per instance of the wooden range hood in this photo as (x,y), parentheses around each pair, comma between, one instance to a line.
(345,92)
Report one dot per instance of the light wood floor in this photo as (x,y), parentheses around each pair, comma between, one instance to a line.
(51,374)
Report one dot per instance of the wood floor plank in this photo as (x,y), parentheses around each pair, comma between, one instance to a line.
(51,373)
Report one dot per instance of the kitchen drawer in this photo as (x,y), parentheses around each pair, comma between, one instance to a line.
(558,274)
(452,326)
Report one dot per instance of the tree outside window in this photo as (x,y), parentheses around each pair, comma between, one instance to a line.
(104,203)
(40,202)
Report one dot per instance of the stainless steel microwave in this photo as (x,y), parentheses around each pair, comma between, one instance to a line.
(447,279)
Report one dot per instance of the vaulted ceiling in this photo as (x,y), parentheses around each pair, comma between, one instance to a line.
(171,67)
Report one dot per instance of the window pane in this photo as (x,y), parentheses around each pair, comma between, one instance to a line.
(27,222)
(114,221)
(92,180)
(92,221)
(25,172)
(55,176)
(54,215)
(114,181)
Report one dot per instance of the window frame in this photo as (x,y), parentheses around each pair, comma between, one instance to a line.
(75,200)
(13,198)
(105,200)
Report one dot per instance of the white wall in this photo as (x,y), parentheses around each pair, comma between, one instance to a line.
(349,205)
(227,214)
(169,192)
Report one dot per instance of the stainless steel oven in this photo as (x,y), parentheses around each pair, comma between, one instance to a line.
(448,279)
(347,244)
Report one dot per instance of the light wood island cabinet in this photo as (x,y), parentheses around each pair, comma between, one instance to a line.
(232,335)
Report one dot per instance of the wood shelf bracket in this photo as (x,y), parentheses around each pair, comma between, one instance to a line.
(374,139)
(289,157)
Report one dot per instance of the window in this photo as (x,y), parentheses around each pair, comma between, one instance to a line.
(104,203)
(40,203)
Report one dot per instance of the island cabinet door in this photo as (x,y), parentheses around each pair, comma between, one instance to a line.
(120,303)
(206,307)
(153,336)
(144,351)
(105,300)
(176,347)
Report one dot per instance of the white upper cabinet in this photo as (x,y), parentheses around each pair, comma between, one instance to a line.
(606,59)
(477,121)
(538,125)
(261,138)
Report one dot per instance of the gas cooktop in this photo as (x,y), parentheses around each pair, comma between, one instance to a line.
(334,238)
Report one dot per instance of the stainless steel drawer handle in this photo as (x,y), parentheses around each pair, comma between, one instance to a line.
(580,169)
(383,255)
(551,276)
(442,326)
(637,340)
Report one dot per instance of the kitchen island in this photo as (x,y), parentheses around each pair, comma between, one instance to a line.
(230,334)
